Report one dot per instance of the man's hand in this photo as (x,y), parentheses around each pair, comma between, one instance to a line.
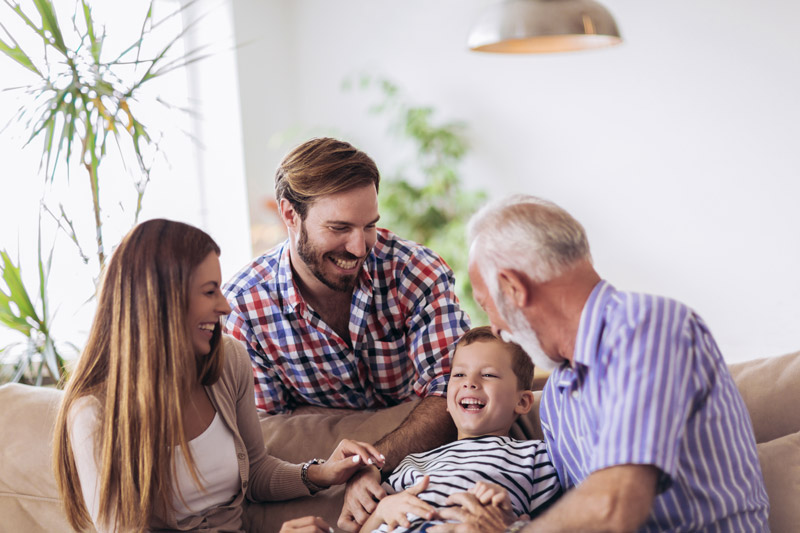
(307,524)
(393,510)
(361,498)
(348,457)
(472,515)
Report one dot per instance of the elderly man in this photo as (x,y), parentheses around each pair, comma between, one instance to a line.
(345,314)
(645,426)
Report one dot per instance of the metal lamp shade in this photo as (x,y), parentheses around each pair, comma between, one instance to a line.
(543,26)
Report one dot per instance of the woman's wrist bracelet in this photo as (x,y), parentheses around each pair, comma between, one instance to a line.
(312,487)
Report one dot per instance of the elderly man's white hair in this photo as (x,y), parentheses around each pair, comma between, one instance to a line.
(526,234)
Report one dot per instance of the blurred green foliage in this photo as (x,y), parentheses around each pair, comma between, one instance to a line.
(434,208)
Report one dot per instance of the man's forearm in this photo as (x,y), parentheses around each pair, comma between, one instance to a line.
(429,425)
(611,500)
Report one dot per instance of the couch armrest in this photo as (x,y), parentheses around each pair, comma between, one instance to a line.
(771,390)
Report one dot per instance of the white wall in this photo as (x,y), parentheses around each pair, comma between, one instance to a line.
(677,150)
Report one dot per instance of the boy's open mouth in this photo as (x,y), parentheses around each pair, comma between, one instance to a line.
(471,404)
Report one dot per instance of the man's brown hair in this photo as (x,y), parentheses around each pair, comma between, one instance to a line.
(320,167)
(521,363)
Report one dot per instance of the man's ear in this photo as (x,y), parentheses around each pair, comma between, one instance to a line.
(514,286)
(289,215)
(525,402)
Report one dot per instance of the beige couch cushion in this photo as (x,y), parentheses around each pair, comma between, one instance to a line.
(771,390)
(780,463)
(29,502)
(28,496)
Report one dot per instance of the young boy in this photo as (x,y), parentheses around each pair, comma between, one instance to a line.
(489,388)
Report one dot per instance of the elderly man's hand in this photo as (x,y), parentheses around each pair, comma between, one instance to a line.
(360,499)
(473,517)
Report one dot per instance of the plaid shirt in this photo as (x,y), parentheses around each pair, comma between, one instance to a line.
(404,319)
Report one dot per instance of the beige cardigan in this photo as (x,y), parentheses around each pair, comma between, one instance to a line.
(262,477)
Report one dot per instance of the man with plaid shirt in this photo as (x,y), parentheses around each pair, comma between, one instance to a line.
(346,315)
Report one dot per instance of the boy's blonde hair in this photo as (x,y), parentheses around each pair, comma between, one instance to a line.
(521,363)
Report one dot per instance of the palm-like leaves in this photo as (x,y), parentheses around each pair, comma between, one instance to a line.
(82,101)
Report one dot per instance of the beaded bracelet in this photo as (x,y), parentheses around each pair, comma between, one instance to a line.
(313,488)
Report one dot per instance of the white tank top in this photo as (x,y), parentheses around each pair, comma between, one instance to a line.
(214,454)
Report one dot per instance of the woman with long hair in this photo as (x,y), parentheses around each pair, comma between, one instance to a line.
(158,428)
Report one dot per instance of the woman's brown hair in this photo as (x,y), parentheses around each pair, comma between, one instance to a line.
(140,365)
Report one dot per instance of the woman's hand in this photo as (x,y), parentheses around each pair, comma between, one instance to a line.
(348,457)
(393,509)
(495,495)
(307,524)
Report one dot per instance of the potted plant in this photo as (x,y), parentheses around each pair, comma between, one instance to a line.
(83,104)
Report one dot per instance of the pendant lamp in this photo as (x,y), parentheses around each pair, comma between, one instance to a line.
(543,26)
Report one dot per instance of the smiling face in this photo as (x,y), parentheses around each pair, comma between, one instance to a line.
(483,394)
(335,238)
(206,303)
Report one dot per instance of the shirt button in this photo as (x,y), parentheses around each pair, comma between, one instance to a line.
(576,394)
(240,455)
(244,484)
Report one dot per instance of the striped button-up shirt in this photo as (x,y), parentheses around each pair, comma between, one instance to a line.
(404,319)
(648,386)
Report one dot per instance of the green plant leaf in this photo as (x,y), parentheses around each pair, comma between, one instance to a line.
(32,25)
(18,295)
(17,54)
(50,24)
(96,45)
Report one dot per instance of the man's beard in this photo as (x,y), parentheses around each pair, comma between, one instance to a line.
(315,261)
(524,335)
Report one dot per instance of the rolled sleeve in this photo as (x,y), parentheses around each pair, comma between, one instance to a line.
(434,326)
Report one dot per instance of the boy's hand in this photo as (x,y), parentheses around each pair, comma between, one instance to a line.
(495,495)
(348,457)
(393,510)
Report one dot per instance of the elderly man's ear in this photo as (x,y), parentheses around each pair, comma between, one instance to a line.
(514,286)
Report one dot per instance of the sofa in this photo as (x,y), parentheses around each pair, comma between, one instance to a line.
(29,501)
